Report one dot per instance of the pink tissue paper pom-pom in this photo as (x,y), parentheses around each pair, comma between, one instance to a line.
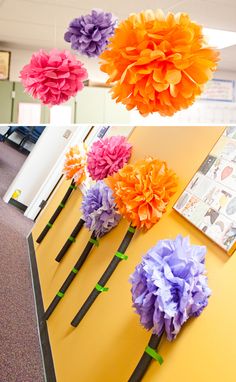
(107,156)
(53,77)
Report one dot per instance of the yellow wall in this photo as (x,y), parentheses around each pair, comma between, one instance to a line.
(107,344)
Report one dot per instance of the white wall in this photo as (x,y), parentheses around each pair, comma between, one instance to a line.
(39,163)
(20,57)
(96,105)
(50,181)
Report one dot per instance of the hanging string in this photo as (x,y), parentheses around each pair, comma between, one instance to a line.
(55,32)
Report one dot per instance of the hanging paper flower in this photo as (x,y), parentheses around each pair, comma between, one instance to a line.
(157,63)
(107,156)
(89,34)
(169,286)
(99,210)
(53,77)
(143,190)
(75,164)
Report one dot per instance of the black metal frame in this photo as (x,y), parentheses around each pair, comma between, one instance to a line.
(42,325)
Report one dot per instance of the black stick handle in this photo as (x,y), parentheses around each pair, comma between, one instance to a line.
(56,213)
(70,240)
(105,277)
(146,359)
(92,241)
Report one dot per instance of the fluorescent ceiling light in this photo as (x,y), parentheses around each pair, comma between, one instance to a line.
(219,38)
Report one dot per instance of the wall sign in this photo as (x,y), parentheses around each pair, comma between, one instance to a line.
(5,58)
(209,200)
(219,90)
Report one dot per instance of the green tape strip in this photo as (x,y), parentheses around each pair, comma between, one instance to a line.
(72,187)
(101,288)
(72,239)
(61,205)
(131,229)
(74,270)
(121,256)
(60,294)
(154,354)
(49,225)
(94,242)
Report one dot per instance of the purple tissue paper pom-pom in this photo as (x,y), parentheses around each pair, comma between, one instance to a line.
(169,286)
(89,34)
(99,209)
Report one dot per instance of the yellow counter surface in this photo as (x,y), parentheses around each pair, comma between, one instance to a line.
(108,343)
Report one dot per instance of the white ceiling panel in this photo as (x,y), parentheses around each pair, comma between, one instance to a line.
(226,2)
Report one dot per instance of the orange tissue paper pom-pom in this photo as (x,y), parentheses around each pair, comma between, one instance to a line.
(157,63)
(143,190)
(75,164)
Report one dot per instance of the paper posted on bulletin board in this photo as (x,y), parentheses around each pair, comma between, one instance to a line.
(209,200)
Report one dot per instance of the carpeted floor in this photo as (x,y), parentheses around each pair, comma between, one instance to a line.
(20,358)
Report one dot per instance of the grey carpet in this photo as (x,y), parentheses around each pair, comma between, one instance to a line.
(20,358)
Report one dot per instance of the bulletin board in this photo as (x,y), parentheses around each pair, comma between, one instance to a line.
(209,200)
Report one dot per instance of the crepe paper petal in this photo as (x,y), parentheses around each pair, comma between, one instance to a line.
(143,190)
(157,63)
(99,210)
(53,77)
(170,285)
(75,164)
(107,156)
(89,34)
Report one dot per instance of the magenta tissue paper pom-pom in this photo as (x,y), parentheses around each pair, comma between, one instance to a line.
(53,77)
(107,156)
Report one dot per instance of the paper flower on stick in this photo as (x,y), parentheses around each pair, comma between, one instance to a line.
(169,286)
(99,216)
(89,34)
(74,169)
(107,156)
(75,164)
(157,63)
(99,210)
(143,190)
(53,77)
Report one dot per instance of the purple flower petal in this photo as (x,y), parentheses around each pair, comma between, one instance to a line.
(170,285)
(99,210)
(95,29)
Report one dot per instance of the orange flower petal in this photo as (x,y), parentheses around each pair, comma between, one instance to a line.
(157,63)
(143,190)
(75,164)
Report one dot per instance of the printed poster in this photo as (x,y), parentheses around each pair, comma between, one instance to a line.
(209,200)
